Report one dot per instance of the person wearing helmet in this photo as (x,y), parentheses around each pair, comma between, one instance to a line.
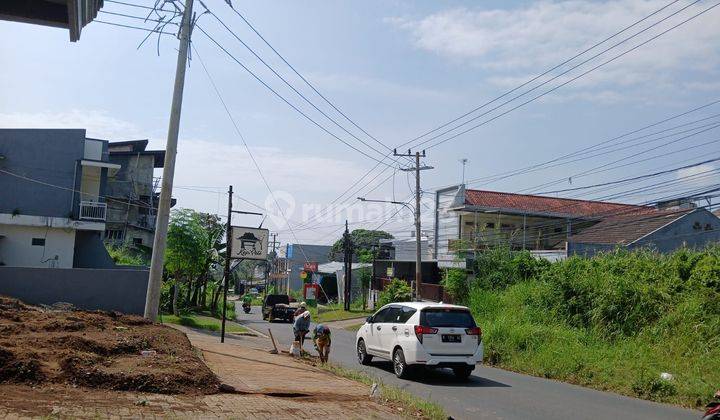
(301,324)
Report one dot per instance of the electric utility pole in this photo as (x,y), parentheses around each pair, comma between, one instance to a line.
(152,298)
(348,248)
(418,242)
(228,255)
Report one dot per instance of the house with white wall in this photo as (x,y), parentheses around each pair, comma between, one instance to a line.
(52,198)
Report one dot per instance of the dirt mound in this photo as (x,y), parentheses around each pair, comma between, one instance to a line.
(97,350)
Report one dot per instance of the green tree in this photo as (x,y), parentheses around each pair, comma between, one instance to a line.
(364,240)
(193,242)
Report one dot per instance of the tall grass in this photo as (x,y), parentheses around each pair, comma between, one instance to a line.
(613,322)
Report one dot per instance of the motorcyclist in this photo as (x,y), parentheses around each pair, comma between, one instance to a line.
(247,300)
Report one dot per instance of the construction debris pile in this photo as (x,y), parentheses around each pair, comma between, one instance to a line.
(102,350)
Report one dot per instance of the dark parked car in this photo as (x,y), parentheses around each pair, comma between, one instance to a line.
(277,307)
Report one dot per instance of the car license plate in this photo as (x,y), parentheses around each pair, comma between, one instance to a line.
(451,338)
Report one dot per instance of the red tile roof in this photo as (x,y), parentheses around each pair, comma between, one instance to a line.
(541,205)
(627,228)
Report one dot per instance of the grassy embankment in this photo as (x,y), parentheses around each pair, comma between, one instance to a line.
(203,322)
(614,322)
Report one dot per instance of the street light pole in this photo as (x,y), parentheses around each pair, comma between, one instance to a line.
(152,297)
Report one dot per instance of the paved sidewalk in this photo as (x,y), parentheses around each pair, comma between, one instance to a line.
(267,387)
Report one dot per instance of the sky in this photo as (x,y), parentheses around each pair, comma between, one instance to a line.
(397,69)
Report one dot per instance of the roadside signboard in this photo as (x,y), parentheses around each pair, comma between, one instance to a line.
(249,243)
(389,272)
(310,294)
(311,266)
(303,274)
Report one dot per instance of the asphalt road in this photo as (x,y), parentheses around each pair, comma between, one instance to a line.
(490,393)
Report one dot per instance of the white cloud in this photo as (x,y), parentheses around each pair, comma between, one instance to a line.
(512,44)
(98,124)
(699,176)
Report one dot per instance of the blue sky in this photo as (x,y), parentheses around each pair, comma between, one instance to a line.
(397,68)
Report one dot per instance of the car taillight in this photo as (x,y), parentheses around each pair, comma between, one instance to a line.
(420,330)
(476,331)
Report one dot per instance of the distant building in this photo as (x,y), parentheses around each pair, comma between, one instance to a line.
(467,221)
(396,259)
(661,230)
(52,198)
(133,193)
(295,257)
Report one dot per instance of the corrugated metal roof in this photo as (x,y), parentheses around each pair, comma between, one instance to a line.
(628,228)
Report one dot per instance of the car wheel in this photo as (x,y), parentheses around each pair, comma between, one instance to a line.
(362,355)
(462,372)
(402,370)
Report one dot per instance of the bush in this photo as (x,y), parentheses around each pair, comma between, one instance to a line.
(397,291)
(456,285)
(614,321)
(124,255)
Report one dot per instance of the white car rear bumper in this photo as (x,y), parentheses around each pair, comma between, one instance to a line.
(418,355)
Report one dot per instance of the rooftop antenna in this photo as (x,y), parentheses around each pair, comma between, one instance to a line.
(464,161)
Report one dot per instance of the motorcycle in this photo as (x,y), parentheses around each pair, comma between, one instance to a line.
(246,307)
(712,411)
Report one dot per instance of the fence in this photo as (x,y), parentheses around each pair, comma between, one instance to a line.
(121,290)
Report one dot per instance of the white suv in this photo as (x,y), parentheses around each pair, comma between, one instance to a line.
(413,334)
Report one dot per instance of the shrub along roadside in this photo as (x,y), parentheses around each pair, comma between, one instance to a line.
(612,322)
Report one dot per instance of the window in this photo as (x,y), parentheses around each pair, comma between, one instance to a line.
(38,241)
(380,316)
(137,241)
(557,230)
(446,317)
(392,315)
(490,225)
(697,226)
(114,234)
(708,227)
(406,313)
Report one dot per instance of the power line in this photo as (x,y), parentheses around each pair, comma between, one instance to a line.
(651,175)
(134,27)
(304,79)
(562,84)
(284,99)
(247,147)
(538,76)
(542,165)
(288,84)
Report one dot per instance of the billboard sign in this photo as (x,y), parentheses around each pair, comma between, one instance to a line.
(249,243)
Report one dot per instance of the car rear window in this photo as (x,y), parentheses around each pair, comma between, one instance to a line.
(447,317)
(275,299)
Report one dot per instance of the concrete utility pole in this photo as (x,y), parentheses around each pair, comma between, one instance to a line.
(348,248)
(152,298)
(228,255)
(418,242)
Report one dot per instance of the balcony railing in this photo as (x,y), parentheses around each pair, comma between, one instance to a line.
(91,210)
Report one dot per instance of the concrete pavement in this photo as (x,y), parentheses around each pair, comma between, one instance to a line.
(491,393)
